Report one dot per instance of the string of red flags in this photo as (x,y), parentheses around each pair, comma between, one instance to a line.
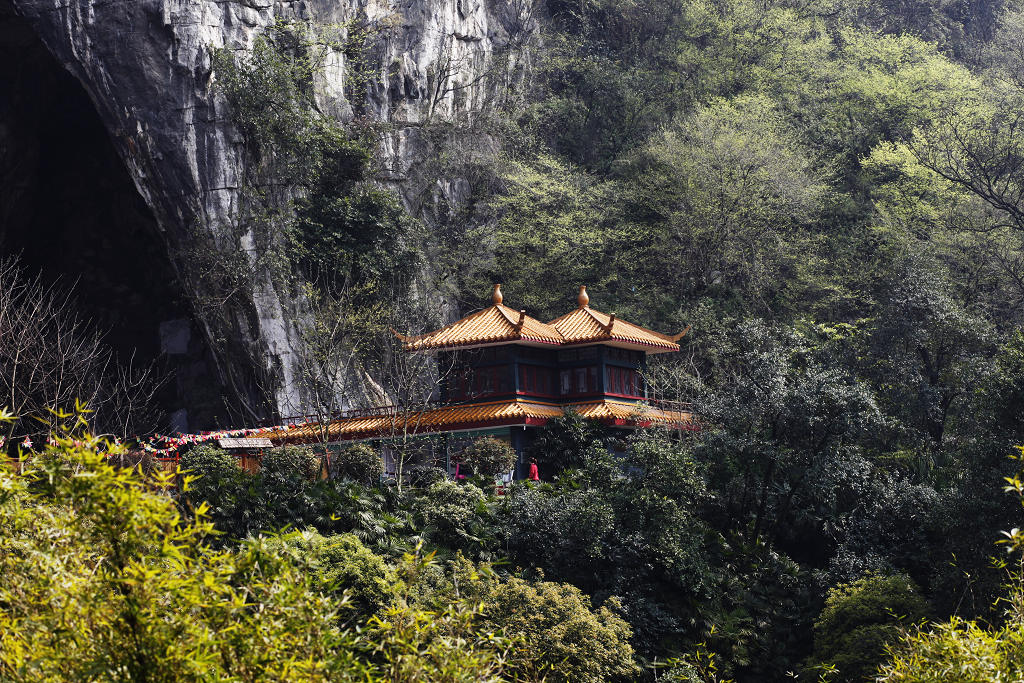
(161,445)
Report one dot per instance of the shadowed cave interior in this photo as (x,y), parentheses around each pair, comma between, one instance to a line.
(71,212)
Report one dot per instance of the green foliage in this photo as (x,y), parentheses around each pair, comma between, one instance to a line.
(436,645)
(287,491)
(1000,398)
(565,442)
(563,638)
(213,470)
(734,183)
(697,666)
(786,416)
(290,463)
(957,650)
(455,515)
(425,476)
(359,462)
(342,233)
(760,620)
(436,639)
(269,88)
(548,215)
(860,619)
(101,548)
(620,530)
(342,566)
(488,457)
(561,532)
(966,650)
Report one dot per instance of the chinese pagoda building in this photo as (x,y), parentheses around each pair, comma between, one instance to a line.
(506,374)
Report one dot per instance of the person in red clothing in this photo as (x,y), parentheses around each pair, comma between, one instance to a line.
(534,474)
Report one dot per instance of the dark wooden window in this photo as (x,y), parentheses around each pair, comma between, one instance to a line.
(623,381)
(535,379)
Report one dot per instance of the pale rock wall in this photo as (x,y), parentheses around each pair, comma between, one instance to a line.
(146,65)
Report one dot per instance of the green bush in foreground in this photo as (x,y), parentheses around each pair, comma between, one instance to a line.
(965,651)
(554,632)
(101,578)
(958,651)
(488,457)
(360,463)
(860,619)
(455,515)
(344,567)
(562,637)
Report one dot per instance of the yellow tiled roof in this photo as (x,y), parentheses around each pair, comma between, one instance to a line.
(451,418)
(444,418)
(587,325)
(631,412)
(497,323)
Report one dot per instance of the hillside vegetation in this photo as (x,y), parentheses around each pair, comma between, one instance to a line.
(830,193)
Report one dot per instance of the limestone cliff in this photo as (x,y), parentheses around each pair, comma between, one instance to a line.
(146,66)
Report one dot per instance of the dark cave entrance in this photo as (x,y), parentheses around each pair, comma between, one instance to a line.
(71,211)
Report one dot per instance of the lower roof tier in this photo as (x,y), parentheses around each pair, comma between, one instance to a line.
(513,412)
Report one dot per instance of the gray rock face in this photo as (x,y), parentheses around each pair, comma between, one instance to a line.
(146,65)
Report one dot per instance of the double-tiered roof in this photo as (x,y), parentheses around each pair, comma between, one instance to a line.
(587,326)
(496,324)
(499,324)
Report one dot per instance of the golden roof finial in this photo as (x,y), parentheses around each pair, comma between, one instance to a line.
(496,295)
(582,299)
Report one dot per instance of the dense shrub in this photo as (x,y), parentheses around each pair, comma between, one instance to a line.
(455,515)
(424,476)
(290,462)
(957,650)
(441,582)
(564,442)
(625,526)
(557,633)
(344,566)
(99,547)
(359,462)
(565,533)
(860,619)
(281,493)
(562,637)
(216,475)
(208,460)
(488,457)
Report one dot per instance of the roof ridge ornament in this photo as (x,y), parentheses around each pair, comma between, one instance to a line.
(677,337)
(583,299)
(496,296)
(611,323)
(522,319)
